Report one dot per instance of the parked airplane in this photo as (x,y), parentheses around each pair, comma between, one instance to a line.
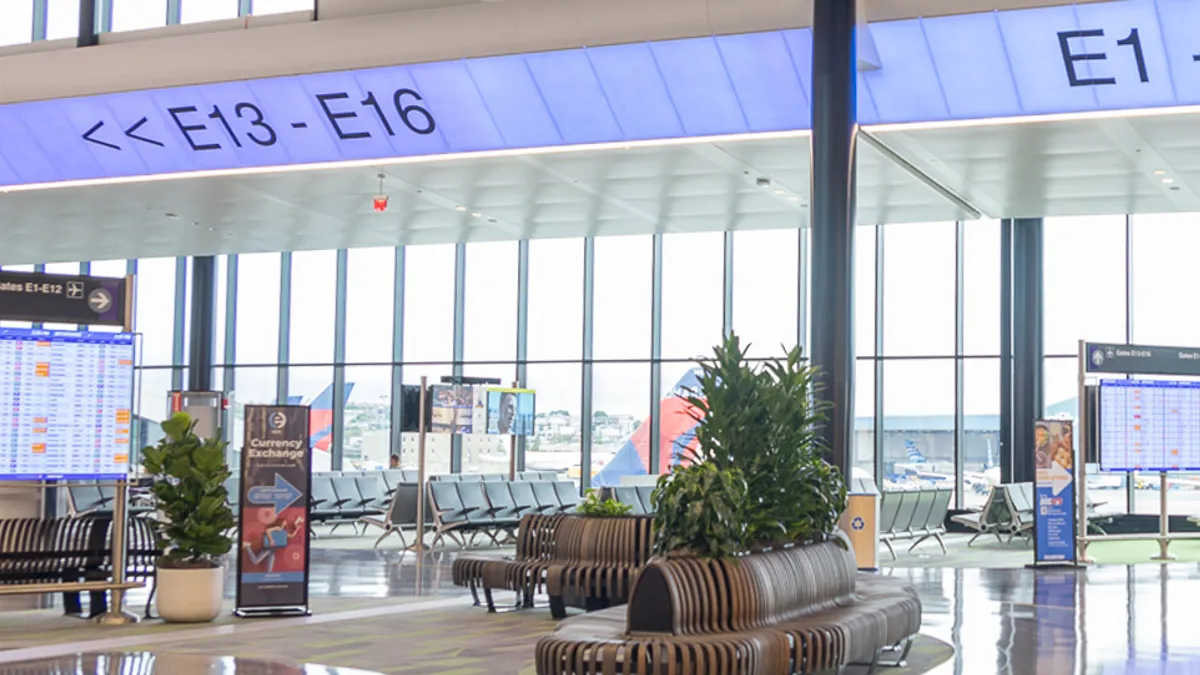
(921,469)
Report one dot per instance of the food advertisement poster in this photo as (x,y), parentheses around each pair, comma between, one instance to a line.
(1054,493)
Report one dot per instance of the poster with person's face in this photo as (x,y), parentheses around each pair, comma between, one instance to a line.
(511,412)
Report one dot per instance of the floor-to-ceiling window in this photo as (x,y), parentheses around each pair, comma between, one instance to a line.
(1085,298)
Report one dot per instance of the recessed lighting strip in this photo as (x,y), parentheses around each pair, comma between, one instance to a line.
(1094,115)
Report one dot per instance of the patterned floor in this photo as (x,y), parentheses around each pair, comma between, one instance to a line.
(446,640)
(49,627)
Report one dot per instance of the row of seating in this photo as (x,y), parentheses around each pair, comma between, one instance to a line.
(89,500)
(74,549)
(1007,513)
(637,497)
(488,508)
(493,477)
(917,513)
(412,475)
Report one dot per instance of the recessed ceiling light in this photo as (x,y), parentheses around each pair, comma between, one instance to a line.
(1168,181)
(460,208)
(1160,172)
(780,192)
(793,198)
(476,214)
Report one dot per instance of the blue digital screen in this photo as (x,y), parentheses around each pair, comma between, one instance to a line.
(1064,59)
(66,404)
(1149,425)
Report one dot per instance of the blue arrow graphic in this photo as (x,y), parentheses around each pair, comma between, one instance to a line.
(281,496)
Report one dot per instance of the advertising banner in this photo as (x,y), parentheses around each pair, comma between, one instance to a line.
(273,539)
(452,409)
(511,412)
(1054,507)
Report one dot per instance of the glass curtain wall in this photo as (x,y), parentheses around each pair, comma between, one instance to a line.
(927,333)
(1121,283)
(19,22)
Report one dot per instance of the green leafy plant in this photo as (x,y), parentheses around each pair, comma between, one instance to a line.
(189,475)
(595,507)
(699,511)
(764,423)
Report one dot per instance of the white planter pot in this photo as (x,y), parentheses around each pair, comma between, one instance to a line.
(190,596)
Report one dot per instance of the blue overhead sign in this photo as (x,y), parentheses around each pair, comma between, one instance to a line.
(1065,59)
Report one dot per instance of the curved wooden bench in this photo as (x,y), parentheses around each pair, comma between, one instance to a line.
(597,560)
(799,610)
(579,561)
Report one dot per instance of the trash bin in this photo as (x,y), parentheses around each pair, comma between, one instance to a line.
(860,522)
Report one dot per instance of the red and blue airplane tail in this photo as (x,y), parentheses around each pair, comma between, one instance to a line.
(677,434)
(320,420)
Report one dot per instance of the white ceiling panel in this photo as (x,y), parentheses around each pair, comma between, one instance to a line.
(1077,167)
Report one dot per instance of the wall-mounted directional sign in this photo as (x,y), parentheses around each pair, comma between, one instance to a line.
(64,298)
(1061,59)
(1142,360)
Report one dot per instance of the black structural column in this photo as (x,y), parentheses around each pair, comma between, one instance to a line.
(835,127)
(89,36)
(203,323)
(1027,347)
(1006,351)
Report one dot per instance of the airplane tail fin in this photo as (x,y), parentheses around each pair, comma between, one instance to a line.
(677,433)
(914,453)
(320,421)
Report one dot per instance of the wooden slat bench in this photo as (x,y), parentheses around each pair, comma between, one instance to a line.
(37,553)
(579,561)
(801,610)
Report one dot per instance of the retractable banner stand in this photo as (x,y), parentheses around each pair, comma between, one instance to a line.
(273,538)
(1054,507)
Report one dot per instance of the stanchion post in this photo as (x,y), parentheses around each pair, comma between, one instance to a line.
(1084,435)
(1164,522)
(116,614)
(419,544)
(512,452)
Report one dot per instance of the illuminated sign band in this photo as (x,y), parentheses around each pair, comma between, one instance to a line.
(1066,59)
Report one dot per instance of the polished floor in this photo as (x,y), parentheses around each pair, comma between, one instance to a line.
(1109,619)
(166,663)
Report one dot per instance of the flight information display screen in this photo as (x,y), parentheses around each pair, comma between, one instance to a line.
(1149,425)
(66,400)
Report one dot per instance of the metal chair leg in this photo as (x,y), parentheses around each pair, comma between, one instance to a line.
(938,538)
(888,544)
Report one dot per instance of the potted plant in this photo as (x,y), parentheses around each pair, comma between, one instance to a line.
(757,479)
(189,475)
(593,506)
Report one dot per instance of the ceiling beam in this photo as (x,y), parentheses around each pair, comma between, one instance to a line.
(973,212)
